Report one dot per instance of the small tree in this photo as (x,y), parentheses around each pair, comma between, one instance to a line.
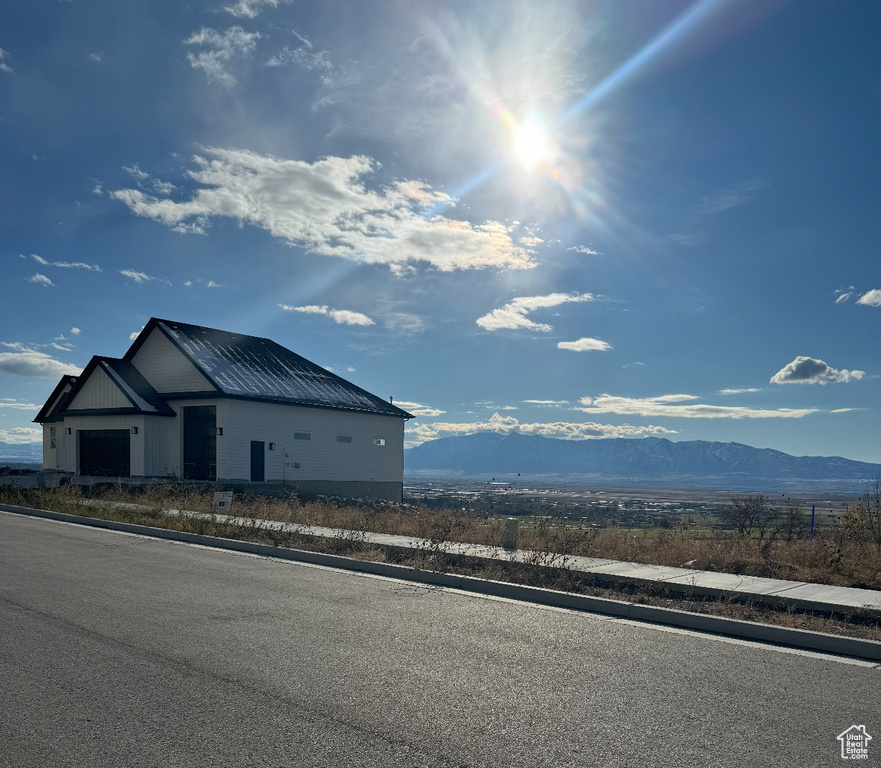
(750,516)
(862,520)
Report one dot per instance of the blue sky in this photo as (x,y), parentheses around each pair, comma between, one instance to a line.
(575,219)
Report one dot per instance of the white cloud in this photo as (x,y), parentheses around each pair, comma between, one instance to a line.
(250,9)
(8,402)
(670,406)
(584,345)
(564,430)
(26,361)
(41,280)
(547,403)
(326,208)
(305,56)
(22,435)
(844,294)
(4,67)
(403,322)
(65,264)
(417,409)
(739,391)
(135,334)
(807,370)
(342,316)
(514,314)
(138,277)
(74,331)
(871,299)
(220,49)
(587,251)
(97,57)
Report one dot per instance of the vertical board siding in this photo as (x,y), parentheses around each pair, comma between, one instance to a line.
(75,423)
(321,457)
(166,368)
(99,391)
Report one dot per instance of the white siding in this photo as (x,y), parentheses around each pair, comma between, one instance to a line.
(99,391)
(321,457)
(166,368)
(162,446)
(70,460)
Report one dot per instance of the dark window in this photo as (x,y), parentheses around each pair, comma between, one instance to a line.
(105,452)
(200,442)
(344,438)
(302,436)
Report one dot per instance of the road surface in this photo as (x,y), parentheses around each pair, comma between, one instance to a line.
(125,651)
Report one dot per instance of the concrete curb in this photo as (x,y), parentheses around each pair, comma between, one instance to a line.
(794,638)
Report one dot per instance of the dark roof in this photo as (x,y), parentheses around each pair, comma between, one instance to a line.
(47,413)
(258,368)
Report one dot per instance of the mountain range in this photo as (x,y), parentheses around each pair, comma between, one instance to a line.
(26,452)
(649,458)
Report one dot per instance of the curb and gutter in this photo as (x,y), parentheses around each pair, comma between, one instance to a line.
(794,638)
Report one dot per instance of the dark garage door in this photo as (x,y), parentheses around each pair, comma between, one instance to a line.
(105,452)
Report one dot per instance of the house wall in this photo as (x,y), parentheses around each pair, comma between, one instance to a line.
(167,370)
(68,460)
(325,465)
(99,391)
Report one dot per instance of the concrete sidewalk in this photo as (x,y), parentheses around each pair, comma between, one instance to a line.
(777,593)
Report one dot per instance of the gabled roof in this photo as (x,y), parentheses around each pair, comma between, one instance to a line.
(141,396)
(260,369)
(57,401)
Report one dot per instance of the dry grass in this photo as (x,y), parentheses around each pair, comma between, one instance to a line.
(832,558)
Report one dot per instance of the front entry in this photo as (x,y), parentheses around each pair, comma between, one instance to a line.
(258,461)
(200,442)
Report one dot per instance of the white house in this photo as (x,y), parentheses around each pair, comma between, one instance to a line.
(202,404)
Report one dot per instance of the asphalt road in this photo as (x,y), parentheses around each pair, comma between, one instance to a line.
(120,650)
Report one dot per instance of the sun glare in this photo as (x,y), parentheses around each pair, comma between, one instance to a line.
(532,145)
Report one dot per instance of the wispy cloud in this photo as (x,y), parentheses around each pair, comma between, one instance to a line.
(97,57)
(4,67)
(674,406)
(587,251)
(739,391)
(418,409)
(403,322)
(808,370)
(728,198)
(220,49)
(514,314)
(9,402)
(547,403)
(41,280)
(584,345)
(326,208)
(305,55)
(250,9)
(138,277)
(564,430)
(26,361)
(342,316)
(65,264)
(871,299)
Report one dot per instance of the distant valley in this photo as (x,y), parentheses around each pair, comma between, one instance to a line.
(649,460)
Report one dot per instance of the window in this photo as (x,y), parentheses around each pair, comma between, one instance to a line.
(52,439)
(379,441)
(302,436)
(344,438)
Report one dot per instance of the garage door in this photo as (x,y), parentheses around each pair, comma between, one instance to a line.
(105,452)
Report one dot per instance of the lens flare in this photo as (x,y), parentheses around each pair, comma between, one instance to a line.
(532,145)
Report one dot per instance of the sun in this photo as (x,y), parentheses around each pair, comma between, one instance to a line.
(532,144)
